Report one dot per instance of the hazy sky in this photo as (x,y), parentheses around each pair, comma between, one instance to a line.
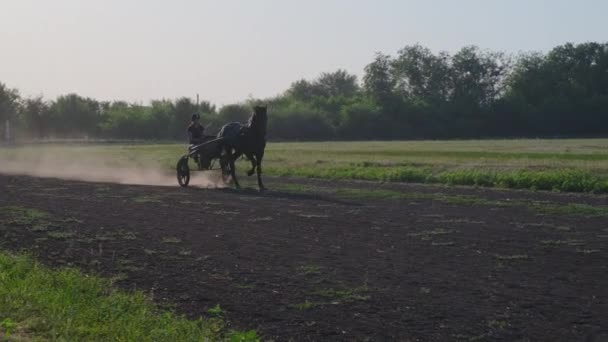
(229,50)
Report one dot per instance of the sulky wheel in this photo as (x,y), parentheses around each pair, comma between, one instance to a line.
(183,172)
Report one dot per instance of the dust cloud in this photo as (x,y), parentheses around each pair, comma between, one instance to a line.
(98,170)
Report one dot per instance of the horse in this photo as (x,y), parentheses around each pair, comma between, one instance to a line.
(248,140)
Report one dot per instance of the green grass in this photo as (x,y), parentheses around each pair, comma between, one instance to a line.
(216,311)
(147,199)
(511,257)
(171,240)
(575,209)
(60,235)
(333,296)
(65,305)
(573,165)
(23,216)
(344,295)
(310,269)
(307,305)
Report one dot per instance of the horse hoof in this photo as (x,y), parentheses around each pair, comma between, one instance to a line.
(250,173)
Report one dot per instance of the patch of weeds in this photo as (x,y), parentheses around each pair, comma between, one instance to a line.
(216,311)
(544,208)
(24,216)
(467,221)
(171,240)
(344,295)
(114,235)
(310,269)
(539,225)
(105,237)
(246,336)
(60,235)
(185,252)
(261,219)
(498,324)
(433,232)
(382,194)
(588,251)
(511,257)
(72,220)
(567,242)
(220,276)
(7,325)
(94,262)
(295,188)
(303,306)
(127,265)
(54,189)
(39,228)
(119,277)
(147,199)
(482,337)
(570,209)
(226,212)
(313,216)
(442,244)
(127,235)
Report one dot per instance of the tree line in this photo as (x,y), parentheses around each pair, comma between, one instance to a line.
(414,94)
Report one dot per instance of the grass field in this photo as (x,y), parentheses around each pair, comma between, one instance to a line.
(38,304)
(577,165)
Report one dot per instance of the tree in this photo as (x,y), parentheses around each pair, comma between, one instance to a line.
(378,81)
(302,90)
(74,116)
(205,107)
(418,73)
(564,92)
(234,113)
(9,102)
(479,76)
(337,84)
(160,119)
(35,115)
(299,122)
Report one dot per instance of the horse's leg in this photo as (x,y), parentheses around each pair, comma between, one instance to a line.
(259,157)
(233,171)
(252,158)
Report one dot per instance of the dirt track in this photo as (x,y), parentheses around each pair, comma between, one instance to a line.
(316,267)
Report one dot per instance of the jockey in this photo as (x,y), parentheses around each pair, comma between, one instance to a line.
(195,130)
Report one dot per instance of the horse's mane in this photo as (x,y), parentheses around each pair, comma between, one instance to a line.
(257,120)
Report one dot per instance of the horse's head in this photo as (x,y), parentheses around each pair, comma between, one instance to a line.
(259,119)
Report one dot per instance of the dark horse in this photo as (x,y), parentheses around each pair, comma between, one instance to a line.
(248,140)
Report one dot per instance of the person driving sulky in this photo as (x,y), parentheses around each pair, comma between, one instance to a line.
(195,130)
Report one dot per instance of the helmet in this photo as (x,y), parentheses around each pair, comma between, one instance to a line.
(195,117)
